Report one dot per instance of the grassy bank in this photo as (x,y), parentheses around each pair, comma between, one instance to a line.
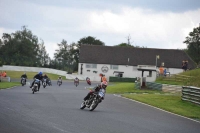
(4,85)
(166,101)
(120,88)
(30,75)
(188,78)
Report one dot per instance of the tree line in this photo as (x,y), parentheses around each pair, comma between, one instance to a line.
(23,48)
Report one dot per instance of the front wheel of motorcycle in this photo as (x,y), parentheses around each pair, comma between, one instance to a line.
(83,105)
(94,105)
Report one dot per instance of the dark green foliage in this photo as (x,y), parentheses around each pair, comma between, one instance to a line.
(193,44)
(90,41)
(119,79)
(22,48)
(125,45)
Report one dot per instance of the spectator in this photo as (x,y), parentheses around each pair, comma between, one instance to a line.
(4,74)
(186,65)
(165,72)
(0,76)
(183,65)
(161,71)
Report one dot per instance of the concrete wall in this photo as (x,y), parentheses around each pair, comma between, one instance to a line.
(83,77)
(32,69)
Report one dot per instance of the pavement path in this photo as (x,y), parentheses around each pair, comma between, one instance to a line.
(55,109)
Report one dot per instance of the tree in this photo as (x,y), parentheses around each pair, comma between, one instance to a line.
(193,44)
(20,48)
(90,41)
(125,45)
(63,54)
(43,55)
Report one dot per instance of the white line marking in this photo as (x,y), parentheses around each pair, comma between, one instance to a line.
(157,108)
(9,88)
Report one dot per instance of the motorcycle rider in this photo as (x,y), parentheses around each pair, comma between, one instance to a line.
(45,77)
(37,76)
(88,80)
(59,79)
(96,89)
(103,78)
(24,76)
(76,80)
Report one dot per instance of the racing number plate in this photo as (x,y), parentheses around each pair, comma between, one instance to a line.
(101,94)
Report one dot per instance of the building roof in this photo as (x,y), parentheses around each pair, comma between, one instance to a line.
(172,58)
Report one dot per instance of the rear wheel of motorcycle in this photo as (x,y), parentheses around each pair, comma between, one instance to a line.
(82,105)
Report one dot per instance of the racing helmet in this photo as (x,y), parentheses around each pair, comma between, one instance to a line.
(40,73)
(104,84)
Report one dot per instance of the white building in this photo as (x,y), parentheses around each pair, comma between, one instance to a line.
(127,61)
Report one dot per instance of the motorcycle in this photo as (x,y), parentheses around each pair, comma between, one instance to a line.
(94,100)
(89,82)
(35,86)
(44,83)
(23,81)
(49,83)
(59,82)
(76,83)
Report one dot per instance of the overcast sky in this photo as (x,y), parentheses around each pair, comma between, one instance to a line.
(150,23)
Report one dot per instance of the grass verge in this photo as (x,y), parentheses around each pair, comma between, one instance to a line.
(166,101)
(4,85)
(30,75)
(171,103)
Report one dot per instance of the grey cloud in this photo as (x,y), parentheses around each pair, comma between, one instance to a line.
(158,5)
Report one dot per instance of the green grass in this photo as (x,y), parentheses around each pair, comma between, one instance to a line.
(169,82)
(30,75)
(171,103)
(166,101)
(4,85)
(120,88)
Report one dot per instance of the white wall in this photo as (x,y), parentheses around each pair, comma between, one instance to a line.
(129,71)
(32,69)
(83,77)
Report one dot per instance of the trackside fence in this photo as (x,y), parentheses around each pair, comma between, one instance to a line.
(191,94)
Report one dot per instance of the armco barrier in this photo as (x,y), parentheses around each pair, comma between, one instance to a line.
(153,85)
(191,94)
(137,85)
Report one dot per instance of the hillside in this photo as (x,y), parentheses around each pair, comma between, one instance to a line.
(188,78)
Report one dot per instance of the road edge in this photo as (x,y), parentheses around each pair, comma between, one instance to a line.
(156,108)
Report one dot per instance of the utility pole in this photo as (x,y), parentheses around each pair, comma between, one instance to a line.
(129,38)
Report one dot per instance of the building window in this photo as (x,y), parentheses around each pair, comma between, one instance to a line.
(91,65)
(115,67)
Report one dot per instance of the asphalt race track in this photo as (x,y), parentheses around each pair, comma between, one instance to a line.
(55,109)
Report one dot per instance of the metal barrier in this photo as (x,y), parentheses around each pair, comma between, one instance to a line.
(5,79)
(191,94)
